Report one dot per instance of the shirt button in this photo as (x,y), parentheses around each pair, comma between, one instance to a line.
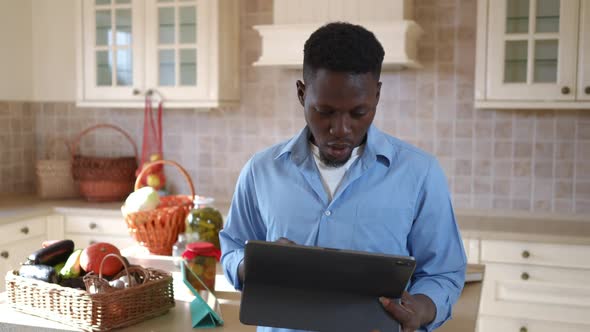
(328,213)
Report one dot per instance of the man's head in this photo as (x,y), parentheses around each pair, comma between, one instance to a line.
(341,69)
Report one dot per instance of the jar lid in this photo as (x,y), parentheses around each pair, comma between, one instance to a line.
(195,249)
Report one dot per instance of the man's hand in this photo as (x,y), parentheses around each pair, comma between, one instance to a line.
(413,312)
(241,269)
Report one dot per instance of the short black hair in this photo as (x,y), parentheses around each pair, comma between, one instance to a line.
(342,47)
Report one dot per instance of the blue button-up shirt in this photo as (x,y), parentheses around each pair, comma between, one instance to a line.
(394,199)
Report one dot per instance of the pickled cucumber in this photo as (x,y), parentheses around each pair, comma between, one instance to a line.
(206,222)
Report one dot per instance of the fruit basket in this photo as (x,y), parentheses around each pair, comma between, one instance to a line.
(152,296)
(103,179)
(158,229)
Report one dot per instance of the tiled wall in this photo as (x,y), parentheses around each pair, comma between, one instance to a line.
(506,159)
(16,147)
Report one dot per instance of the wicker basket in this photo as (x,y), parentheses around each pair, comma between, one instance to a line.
(54,177)
(158,229)
(104,179)
(92,312)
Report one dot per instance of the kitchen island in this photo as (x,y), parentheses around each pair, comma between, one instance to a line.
(178,318)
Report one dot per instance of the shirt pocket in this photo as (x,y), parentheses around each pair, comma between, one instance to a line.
(382,230)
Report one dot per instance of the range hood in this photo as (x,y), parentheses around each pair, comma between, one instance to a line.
(390,20)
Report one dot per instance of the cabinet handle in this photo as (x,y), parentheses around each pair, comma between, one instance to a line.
(136,92)
(525,276)
(526,254)
(565,90)
(4,254)
(24,230)
(523,329)
(92,225)
(587,90)
(91,242)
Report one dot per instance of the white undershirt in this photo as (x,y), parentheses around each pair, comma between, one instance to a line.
(332,176)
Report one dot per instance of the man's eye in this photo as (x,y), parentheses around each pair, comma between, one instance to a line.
(359,114)
(323,112)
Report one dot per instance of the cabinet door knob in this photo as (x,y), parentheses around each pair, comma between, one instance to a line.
(526,254)
(91,242)
(92,225)
(4,254)
(565,90)
(587,90)
(25,230)
(523,329)
(525,276)
(136,92)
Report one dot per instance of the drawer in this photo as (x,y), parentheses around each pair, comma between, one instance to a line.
(96,225)
(23,230)
(536,292)
(546,254)
(83,241)
(495,324)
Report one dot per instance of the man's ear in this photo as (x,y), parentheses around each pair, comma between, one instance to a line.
(378,93)
(301,92)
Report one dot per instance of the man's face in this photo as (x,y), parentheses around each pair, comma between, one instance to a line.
(339,108)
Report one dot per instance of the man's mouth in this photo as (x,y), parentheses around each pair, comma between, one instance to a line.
(339,150)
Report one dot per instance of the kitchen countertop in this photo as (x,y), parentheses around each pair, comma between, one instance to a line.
(480,224)
(178,318)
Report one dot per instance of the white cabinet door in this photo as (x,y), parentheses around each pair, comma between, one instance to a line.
(495,324)
(112,49)
(177,45)
(532,50)
(536,292)
(15,253)
(584,55)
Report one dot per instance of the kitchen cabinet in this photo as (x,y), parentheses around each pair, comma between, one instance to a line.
(87,229)
(532,286)
(528,52)
(185,50)
(19,239)
(471,246)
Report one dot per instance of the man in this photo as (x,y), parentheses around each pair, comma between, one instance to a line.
(342,183)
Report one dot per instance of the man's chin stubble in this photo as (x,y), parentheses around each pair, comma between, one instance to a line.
(332,163)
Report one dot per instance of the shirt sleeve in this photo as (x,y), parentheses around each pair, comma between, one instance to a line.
(243,223)
(436,244)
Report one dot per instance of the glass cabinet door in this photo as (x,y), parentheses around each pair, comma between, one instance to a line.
(584,54)
(531,51)
(112,48)
(175,41)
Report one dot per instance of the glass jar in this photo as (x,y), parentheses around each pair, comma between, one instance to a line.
(178,248)
(201,258)
(205,220)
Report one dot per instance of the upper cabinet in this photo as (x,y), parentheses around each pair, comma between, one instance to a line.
(533,54)
(186,50)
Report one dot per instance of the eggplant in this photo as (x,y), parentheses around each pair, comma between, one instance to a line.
(77,283)
(53,254)
(39,272)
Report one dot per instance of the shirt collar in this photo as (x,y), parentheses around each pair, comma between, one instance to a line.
(376,147)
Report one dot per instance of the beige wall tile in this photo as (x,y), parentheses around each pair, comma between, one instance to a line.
(504,159)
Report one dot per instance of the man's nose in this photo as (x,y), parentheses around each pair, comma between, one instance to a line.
(340,126)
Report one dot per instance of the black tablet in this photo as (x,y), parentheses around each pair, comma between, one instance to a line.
(320,289)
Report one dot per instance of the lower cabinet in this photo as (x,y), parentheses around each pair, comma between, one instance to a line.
(18,240)
(530,287)
(496,324)
(85,227)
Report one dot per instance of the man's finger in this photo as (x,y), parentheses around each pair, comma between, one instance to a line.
(284,240)
(399,313)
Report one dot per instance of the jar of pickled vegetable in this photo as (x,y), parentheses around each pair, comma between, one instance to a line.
(201,258)
(205,220)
